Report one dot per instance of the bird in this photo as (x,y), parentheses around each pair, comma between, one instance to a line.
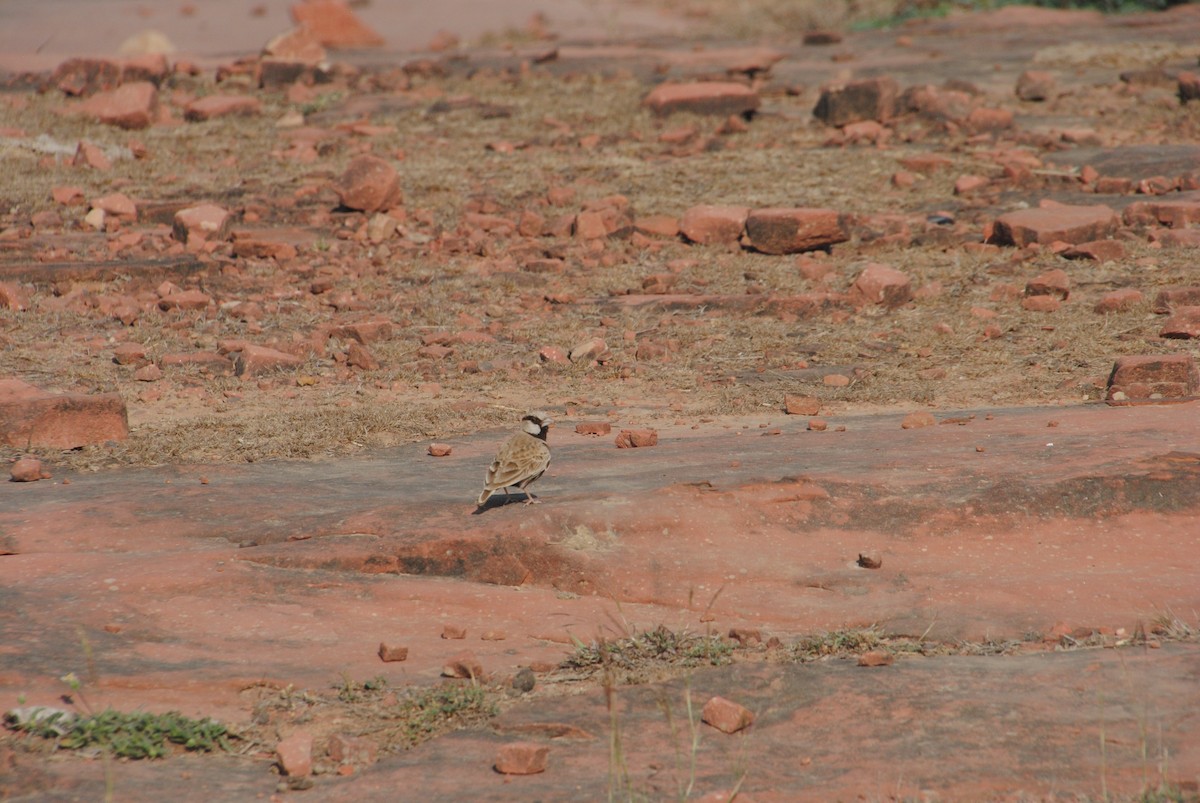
(521,460)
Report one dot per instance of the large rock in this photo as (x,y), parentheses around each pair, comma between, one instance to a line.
(869,99)
(1070,224)
(1142,377)
(335,25)
(202,222)
(790,231)
(31,417)
(882,284)
(1183,324)
(131,106)
(1169,298)
(256,360)
(707,224)
(210,107)
(86,76)
(369,184)
(703,97)
(1176,213)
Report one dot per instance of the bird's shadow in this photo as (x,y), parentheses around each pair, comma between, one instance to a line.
(498,500)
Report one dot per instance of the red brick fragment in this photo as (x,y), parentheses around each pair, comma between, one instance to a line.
(726,715)
(636,438)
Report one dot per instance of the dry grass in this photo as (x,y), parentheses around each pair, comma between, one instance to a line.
(66,344)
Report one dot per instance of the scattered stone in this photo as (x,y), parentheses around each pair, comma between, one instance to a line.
(364,331)
(1035,85)
(369,184)
(1097,251)
(297,46)
(294,754)
(211,107)
(984,120)
(334,24)
(116,205)
(92,156)
(201,223)
(439,449)
(86,76)
(552,354)
(636,438)
(522,758)
(926,163)
(1121,300)
(381,227)
(882,284)
(26,469)
(130,106)
(30,417)
(918,420)
(68,195)
(965,185)
(493,635)
(1140,377)
(453,632)
(876,658)
(593,428)
(257,360)
(129,354)
(590,350)
(709,225)
(463,665)
(790,231)
(835,380)
(590,225)
(359,356)
(746,636)
(184,300)
(525,680)
(1189,86)
(702,97)
(1184,323)
(1070,224)
(869,561)
(1051,283)
(1167,300)
(801,405)
(657,225)
(392,652)
(817,425)
(13,297)
(726,715)
(868,99)
(148,373)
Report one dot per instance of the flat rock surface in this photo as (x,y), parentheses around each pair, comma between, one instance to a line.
(188,591)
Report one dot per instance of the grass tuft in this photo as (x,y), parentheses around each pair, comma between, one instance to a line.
(132,735)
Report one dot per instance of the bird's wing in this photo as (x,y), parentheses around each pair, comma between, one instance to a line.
(521,458)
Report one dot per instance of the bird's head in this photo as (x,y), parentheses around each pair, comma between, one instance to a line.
(536,424)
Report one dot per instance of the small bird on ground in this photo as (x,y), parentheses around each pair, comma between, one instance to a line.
(521,460)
